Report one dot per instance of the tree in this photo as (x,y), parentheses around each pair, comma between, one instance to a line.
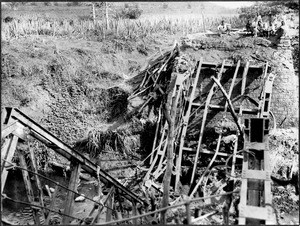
(129,12)
(268,8)
(103,6)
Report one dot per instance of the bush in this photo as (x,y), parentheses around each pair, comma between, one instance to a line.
(267,8)
(165,6)
(131,12)
(73,4)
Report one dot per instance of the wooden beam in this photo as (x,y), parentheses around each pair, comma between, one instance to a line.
(210,152)
(68,152)
(210,64)
(254,212)
(75,169)
(252,111)
(52,203)
(8,129)
(208,99)
(7,152)
(185,125)
(38,182)
(28,187)
(229,103)
(134,211)
(256,174)
(110,204)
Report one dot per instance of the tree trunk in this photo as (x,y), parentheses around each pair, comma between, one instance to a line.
(94,13)
(169,112)
(106,15)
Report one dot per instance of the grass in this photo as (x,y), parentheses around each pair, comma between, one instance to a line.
(80,25)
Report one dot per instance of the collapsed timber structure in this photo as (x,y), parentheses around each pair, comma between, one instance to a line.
(185,99)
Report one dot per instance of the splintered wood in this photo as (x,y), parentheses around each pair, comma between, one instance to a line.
(194,105)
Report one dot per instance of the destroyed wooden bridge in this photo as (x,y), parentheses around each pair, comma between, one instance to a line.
(191,96)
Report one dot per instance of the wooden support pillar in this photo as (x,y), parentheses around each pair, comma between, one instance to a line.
(28,187)
(75,168)
(188,213)
(52,203)
(7,153)
(96,219)
(134,210)
(38,182)
(110,203)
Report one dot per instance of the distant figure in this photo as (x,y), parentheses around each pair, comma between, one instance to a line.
(292,21)
(282,30)
(258,30)
(258,18)
(265,28)
(224,28)
(271,29)
(249,28)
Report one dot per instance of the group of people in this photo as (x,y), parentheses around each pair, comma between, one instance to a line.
(258,27)
(266,29)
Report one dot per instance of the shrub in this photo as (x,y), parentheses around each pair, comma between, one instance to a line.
(165,6)
(131,12)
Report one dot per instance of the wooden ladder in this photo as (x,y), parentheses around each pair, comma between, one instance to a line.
(255,196)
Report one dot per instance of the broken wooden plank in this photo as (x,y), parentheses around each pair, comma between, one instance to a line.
(210,152)
(208,99)
(28,187)
(211,64)
(156,133)
(68,210)
(52,203)
(256,174)
(7,153)
(185,125)
(229,103)
(65,150)
(110,204)
(9,129)
(254,212)
(38,182)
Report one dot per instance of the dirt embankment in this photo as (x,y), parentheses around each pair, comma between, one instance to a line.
(70,86)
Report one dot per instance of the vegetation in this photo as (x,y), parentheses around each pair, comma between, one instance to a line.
(129,12)
(121,26)
(268,8)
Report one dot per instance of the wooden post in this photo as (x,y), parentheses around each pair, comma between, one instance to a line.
(52,203)
(169,111)
(110,203)
(28,187)
(38,182)
(185,125)
(7,152)
(208,99)
(188,212)
(96,219)
(134,221)
(75,168)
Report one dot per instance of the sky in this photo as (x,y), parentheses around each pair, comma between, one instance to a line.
(233,4)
